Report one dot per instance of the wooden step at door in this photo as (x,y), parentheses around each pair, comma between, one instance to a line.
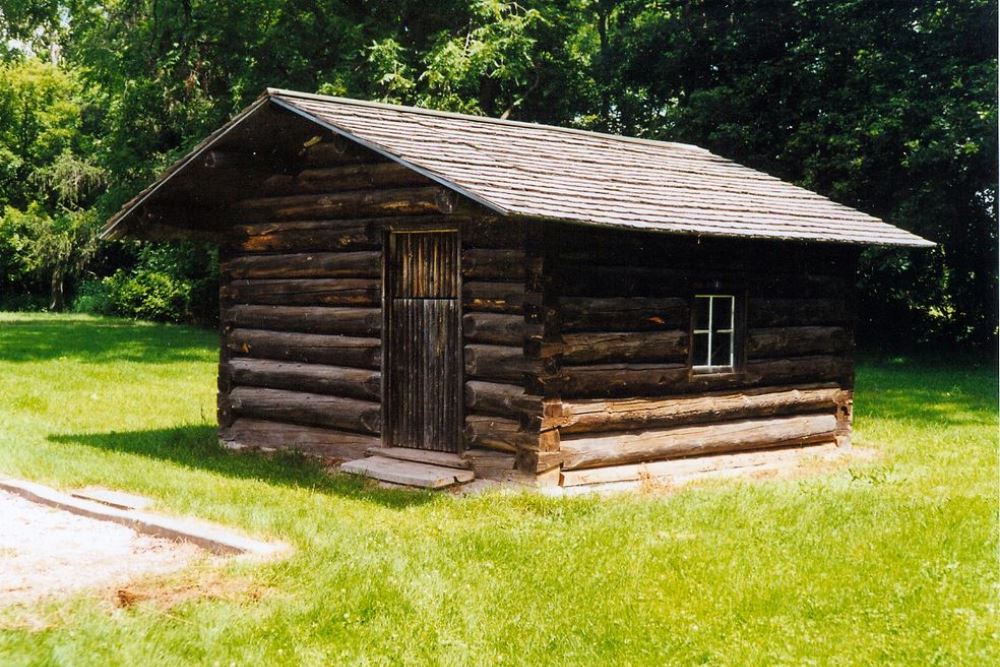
(446,459)
(408,473)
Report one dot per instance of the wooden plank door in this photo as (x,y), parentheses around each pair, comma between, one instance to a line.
(424,362)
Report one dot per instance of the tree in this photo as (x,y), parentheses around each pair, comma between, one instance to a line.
(48,178)
(886,107)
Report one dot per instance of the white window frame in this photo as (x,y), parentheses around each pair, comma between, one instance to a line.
(711,331)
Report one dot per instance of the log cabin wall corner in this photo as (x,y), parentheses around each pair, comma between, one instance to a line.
(576,305)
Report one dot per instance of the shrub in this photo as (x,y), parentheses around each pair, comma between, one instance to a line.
(93,296)
(149,295)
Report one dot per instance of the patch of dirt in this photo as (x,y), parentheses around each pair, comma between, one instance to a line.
(47,552)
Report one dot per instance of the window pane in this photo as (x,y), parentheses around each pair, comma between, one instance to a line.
(722,317)
(700,343)
(701,312)
(720,350)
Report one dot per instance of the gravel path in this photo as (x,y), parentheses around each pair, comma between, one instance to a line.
(48,552)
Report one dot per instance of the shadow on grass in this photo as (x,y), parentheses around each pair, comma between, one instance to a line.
(100,340)
(197,447)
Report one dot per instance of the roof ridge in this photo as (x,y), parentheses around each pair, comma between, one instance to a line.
(283,92)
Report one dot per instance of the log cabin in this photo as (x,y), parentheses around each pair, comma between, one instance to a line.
(504,297)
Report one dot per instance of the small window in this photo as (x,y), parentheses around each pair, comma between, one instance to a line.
(713,337)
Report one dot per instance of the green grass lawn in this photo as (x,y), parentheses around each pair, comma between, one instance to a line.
(890,559)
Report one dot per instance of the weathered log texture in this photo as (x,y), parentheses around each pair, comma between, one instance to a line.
(493,328)
(154,231)
(295,407)
(598,347)
(363,264)
(796,312)
(347,177)
(505,435)
(632,447)
(307,348)
(493,264)
(353,204)
(489,231)
(682,471)
(821,368)
(616,380)
(797,341)
(662,379)
(493,297)
(306,292)
(306,319)
(503,400)
(497,363)
(623,314)
(586,416)
(337,150)
(324,443)
(313,378)
(302,236)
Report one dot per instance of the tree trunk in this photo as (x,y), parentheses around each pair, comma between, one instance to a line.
(57,302)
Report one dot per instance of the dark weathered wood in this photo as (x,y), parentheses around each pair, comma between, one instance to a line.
(498,363)
(423,368)
(623,314)
(306,319)
(661,379)
(598,347)
(493,328)
(337,150)
(796,312)
(503,400)
(352,204)
(303,236)
(155,231)
(491,231)
(796,341)
(631,447)
(504,435)
(362,264)
(349,414)
(596,415)
(324,443)
(493,297)
(346,177)
(327,235)
(616,380)
(313,378)
(201,221)
(493,264)
(306,292)
(306,348)
(820,368)
(231,160)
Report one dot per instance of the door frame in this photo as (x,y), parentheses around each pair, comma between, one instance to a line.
(412,227)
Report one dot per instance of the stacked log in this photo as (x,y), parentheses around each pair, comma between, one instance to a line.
(499,414)
(618,375)
(301,297)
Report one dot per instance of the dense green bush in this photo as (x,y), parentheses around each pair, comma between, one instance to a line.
(149,295)
(92,297)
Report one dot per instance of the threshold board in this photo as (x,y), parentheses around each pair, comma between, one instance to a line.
(408,473)
(446,459)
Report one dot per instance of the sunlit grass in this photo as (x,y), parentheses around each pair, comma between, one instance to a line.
(891,559)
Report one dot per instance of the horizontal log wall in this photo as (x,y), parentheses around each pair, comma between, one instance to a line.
(499,413)
(614,352)
(301,295)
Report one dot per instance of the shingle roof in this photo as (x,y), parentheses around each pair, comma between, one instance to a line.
(557,173)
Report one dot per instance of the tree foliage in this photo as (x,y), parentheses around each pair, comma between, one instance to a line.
(888,107)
